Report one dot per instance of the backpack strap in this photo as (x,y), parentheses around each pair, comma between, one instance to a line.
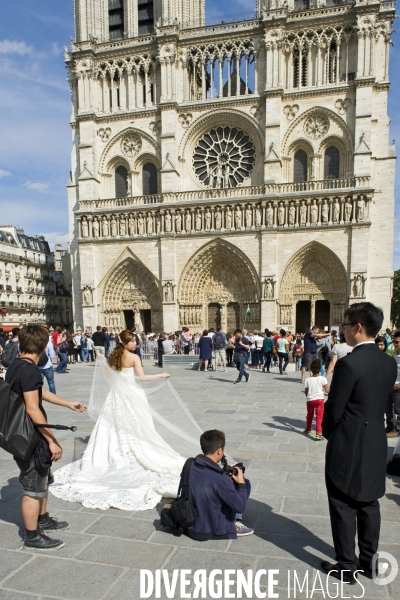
(184,482)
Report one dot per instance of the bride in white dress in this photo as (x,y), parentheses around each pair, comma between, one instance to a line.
(127,463)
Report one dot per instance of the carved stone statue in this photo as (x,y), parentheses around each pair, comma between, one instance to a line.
(314,213)
(248,216)
(336,212)
(131,225)
(268,288)
(95,227)
(358,286)
(85,229)
(140,224)
(238,218)
(181,316)
(87,296)
(208,220)
(198,220)
(178,222)
(325,212)
(168,222)
(347,210)
(218,218)
(258,216)
(281,214)
(113,227)
(158,223)
(188,222)
(228,218)
(270,215)
(168,292)
(303,213)
(292,214)
(149,224)
(122,227)
(360,209)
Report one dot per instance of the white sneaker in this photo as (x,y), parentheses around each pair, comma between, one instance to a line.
(242,530)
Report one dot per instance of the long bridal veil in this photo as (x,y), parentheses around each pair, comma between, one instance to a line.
(143,434)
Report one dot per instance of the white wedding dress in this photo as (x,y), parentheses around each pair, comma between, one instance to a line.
(127,464)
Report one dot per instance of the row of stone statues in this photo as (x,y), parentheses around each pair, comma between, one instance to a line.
(249,216)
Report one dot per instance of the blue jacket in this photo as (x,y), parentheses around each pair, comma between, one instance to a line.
(216,497)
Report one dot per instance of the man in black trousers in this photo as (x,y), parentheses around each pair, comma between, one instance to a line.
(356,453)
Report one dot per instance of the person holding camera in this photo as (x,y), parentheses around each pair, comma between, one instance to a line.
(219,494)
(26,380)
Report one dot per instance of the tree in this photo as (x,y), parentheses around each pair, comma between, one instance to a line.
(395,308)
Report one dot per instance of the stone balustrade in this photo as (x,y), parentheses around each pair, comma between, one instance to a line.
(268,189)
(277,213)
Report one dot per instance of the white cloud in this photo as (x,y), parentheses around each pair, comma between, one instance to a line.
(4,173)
(14,47)
(55,49)
(37,187)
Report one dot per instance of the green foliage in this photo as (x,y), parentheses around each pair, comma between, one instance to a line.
(395,309)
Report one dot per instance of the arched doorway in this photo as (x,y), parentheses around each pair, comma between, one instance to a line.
(131,298)
(215,288)
(313,289)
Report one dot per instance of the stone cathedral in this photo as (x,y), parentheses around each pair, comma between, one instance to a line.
(227,167)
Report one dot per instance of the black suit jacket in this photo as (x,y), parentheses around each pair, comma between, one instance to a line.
(353,422)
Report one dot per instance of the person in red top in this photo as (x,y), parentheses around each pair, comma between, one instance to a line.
(55,335)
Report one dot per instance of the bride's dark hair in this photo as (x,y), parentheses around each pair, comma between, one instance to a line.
(115,358)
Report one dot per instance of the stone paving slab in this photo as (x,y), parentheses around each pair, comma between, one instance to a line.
(105,550)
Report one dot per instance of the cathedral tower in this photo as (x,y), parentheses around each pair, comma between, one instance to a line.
(241,164)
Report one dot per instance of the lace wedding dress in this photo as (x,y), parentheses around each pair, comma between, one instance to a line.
(127,464)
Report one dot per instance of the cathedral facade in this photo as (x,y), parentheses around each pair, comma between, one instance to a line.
(231,173)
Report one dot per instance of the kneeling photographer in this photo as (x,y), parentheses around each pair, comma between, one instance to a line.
(218,494)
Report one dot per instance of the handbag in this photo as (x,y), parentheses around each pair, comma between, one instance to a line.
(18,435)
(237,357)
(181,513)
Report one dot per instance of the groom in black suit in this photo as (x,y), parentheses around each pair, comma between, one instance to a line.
(356,453)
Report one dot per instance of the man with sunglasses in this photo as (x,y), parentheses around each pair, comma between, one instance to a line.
(356,453)
(393,409)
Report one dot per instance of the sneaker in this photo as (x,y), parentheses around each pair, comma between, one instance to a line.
(308,431)
(43,542)
(47,523)
(319,437)
(224,370)
(392,434)
(242,530)
(237,382)
(248,377)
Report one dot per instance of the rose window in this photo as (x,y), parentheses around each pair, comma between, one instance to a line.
(224,157)
(316,126)
(131,144)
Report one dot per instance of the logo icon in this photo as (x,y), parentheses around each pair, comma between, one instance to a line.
(384,568)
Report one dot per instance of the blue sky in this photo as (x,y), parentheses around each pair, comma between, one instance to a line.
(35,109)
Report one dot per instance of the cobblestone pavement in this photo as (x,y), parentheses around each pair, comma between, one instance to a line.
(105,550)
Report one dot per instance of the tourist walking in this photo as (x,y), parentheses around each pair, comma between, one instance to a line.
(241,356)
(314,388)
(99,340)
(298,352)
(62,355)
(205,347)
(356,453)
(230,349)
(47,370)
(90,347)
(268,348)
(257,352)
(393,408)
(282,348)
(219,345)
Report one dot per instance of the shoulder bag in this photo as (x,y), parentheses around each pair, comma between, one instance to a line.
(180,513)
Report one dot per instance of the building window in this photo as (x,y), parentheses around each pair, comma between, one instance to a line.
(67,316)
(145,17)
(300,166)
(331,163)
(121,182)
(60,316)
(149,175)
(116,19)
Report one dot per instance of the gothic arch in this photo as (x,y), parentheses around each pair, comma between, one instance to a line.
(130,285)
(219,273)
(112,148)
(313,273)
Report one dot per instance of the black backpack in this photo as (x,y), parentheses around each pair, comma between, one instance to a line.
(43,359)
(180,513)
(10,353)
(219,340)
(18,435)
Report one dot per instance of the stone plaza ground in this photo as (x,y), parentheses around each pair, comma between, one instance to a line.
(105,550)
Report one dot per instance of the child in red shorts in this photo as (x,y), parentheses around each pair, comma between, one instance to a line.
(314,391)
